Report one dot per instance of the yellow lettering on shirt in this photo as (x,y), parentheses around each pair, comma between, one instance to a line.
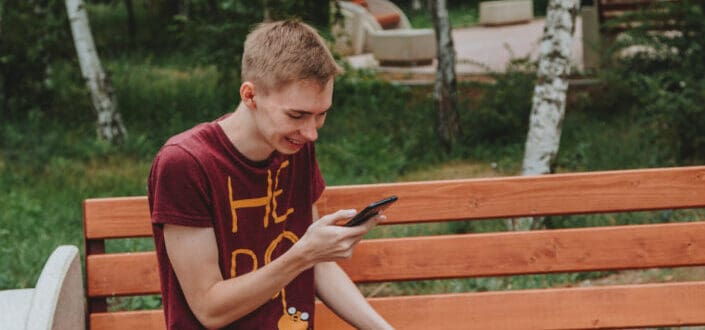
(269,201)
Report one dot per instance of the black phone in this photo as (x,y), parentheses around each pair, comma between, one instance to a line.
(371,211)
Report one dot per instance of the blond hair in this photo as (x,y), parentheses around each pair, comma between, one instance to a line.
(279,53)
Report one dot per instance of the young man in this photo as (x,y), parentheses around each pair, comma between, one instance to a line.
(232,201)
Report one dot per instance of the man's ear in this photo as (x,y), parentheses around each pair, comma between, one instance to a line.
(247,95)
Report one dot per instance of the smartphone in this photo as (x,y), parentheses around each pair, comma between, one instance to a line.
(371,211)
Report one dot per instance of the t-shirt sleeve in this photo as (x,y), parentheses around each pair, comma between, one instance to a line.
(317,180)
(178,189)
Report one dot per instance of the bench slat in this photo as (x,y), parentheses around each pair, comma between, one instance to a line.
(650,305)
(116,217)
(587,308)
(514,253)
(568,250)
(142,320)
(591,192)
(122,274)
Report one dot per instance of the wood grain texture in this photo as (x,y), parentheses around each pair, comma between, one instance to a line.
(514,253)
(116,217)
(137,320)
(122,274)
(590,192)
(649,305)
(471,255)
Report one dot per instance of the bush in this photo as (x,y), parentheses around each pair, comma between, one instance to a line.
(502,117)
(385,131)
(27,51)
(663,74)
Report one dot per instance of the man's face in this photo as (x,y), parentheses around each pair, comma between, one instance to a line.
(290,117)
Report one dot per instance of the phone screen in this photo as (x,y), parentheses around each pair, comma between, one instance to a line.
(371,211)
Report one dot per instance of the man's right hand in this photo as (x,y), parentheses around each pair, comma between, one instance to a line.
(325,240)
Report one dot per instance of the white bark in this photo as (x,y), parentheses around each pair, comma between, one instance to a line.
(445,91)
(548,104)
(110,126)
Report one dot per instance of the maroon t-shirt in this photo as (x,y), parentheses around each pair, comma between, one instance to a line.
(257,210)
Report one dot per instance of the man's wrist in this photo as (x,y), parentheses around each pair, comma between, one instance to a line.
(300,257)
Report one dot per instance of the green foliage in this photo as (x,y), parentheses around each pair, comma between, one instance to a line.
(502,116)
(27,50)
(158,101)
(662,75)
(460,15)
(372,132)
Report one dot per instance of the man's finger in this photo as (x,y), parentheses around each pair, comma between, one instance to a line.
(338,216)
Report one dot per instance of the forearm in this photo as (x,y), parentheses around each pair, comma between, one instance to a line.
(229,300)
(340,294)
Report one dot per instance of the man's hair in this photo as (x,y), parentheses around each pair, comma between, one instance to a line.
(279,53)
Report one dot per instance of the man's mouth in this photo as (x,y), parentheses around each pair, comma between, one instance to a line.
(295,142)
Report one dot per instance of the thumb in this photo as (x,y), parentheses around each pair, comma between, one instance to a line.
(332,218)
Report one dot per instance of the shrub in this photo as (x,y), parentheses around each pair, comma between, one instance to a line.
(502,117)
(663,74)
(27,51)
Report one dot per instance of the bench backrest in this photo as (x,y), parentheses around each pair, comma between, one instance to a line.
(614,16)
(473,254)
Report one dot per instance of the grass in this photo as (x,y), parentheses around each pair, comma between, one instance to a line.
(463,15)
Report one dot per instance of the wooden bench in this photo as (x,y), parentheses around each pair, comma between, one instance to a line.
(661,245)
(616,16)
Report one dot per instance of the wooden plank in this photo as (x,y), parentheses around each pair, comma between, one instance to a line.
(137,320)
(117,217)
(514,253)
(652,305)
(122,274)
(591,192)
(416,258)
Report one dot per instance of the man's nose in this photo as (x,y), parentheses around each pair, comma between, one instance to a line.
(310,131)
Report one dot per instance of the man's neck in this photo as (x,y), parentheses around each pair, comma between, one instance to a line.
(242,132)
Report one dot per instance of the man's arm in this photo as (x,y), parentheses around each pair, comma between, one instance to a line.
(217,302)
(340,294)
(214,301)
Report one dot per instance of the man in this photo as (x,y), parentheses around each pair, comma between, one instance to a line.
(232,201)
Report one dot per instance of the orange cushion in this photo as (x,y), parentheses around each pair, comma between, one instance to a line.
(388,21)
(360,2)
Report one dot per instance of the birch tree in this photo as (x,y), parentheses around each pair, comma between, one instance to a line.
(548,103)
(110,126)
(445,91)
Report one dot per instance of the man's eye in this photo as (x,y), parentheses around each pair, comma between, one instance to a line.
(295,115)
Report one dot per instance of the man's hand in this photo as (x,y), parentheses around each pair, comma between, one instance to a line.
(325,240)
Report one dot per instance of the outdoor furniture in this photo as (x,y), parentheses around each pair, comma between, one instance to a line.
(55,303)
(502,12)
(469,255)
(381,28)
(407,47)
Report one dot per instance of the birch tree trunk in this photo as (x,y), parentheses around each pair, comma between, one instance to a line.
(110,126)
(548,104)
(445,91)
